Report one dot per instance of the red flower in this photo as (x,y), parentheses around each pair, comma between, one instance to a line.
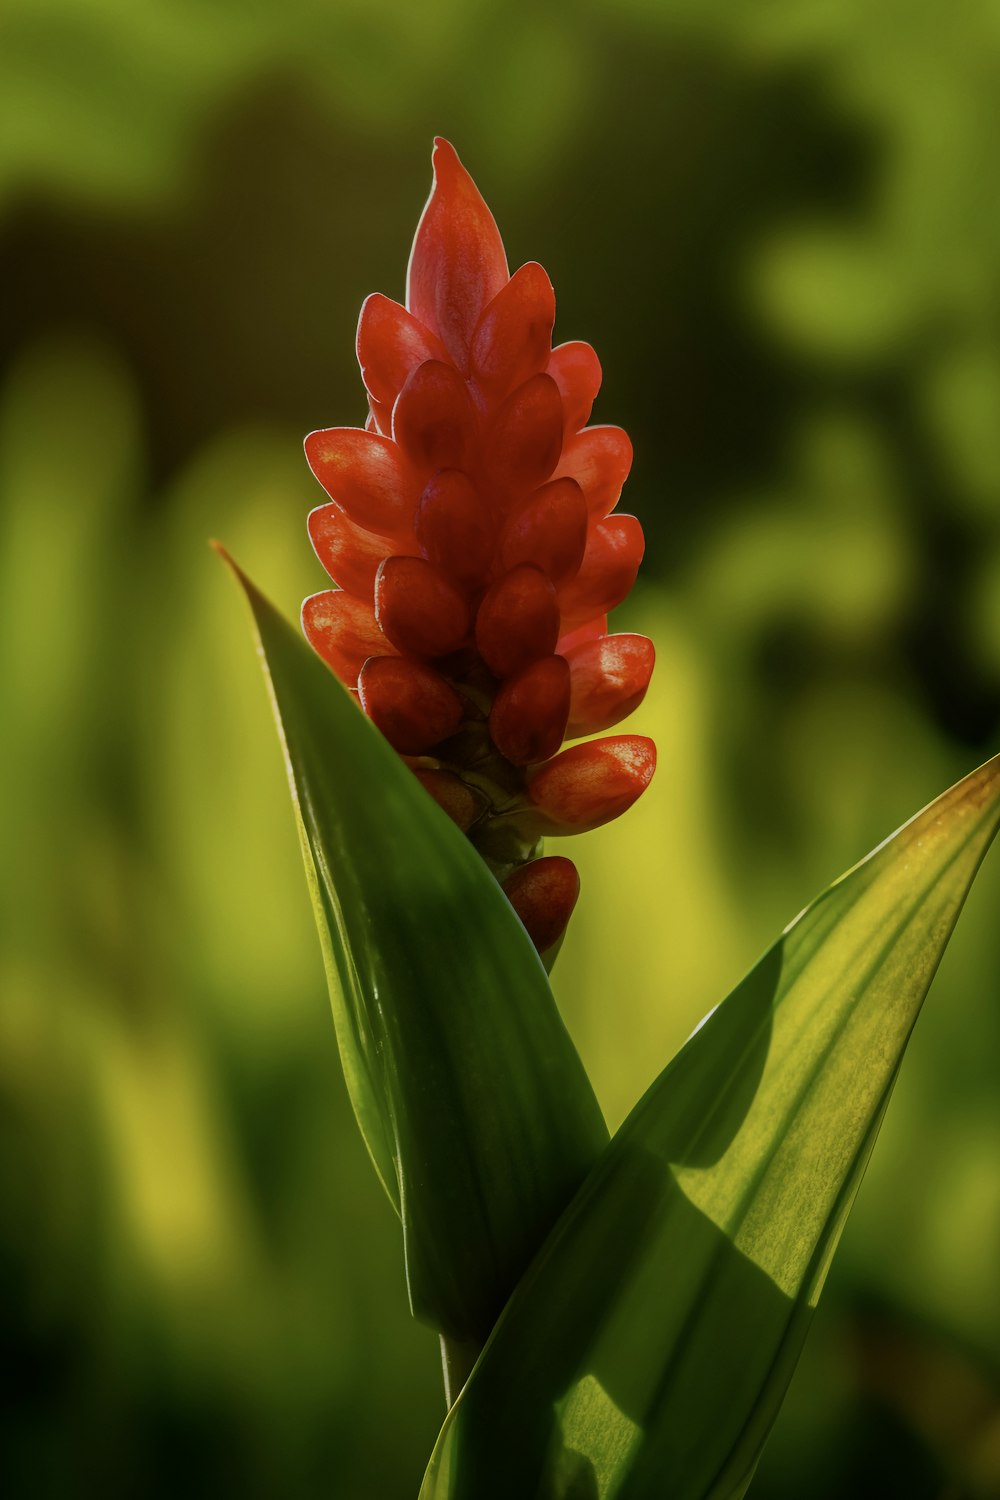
(472,534)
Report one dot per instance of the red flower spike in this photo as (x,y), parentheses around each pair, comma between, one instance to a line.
(350,554)
(591,784)
(608,571)
(343,631)
(454,529)
(609,677)
(390,344)
(457,264)
(513,338)
(518,621)
(433,420)
(523,445)
(529,713)
(599,459)
(471,522)
(418,611)
(549,529)
(576,370)
(366,474)
(544,894)
(414,707)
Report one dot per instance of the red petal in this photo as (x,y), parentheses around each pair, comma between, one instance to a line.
(452,795)
(350,554)
(609,679)
(544,894)
(513,338)
(409,702)
(454,529)
(343,631)
(366,475)
(590,784)
(523,444)
(518,621)
(576,370)
(588,631)
(379,418)
(599,459)
(417,609)
(391,343)
(529,713)
(457,264)
(608,571)
(434,420)
(549,529)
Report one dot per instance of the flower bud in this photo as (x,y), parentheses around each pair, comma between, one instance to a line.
(608,679)
(414,707)
(576,370)
(454,529)
(391,344)
(518,620)
(433,420)
(610,564)
(343,631)
(367,475)
(529,713)
(522,447)
(452,795)
(549,529)
(590,784)
(458,263)
(513,338)
(350,554)
(417,610)
(544,893)
(599,459)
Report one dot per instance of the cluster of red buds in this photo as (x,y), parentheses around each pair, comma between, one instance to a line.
(472,535)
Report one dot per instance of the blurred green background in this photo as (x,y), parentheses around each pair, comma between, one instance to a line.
(779,225)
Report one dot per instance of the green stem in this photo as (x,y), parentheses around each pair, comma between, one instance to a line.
(457,1359)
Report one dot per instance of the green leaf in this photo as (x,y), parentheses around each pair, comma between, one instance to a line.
(475,1107)
(648,1349)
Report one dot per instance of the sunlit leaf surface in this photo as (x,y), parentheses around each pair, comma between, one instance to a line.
(649,1347)
(475,1107)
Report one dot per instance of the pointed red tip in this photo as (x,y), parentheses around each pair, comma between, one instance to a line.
(457,264)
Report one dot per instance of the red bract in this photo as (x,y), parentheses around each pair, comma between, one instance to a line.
(471,530)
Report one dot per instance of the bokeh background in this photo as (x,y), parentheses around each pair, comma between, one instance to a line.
(779,225)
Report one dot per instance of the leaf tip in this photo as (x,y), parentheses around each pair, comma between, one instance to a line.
(983,784)
(222,552)
(250,591)
(976,797)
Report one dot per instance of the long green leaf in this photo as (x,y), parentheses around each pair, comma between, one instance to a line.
(650,1345)
(475,1107)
